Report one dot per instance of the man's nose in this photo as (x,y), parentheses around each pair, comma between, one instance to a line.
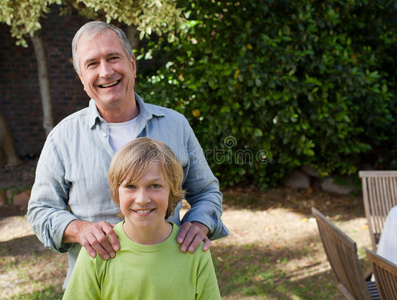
(106,69)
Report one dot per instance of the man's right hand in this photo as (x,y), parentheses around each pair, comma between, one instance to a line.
(94,237)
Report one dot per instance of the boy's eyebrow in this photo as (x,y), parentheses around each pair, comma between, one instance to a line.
(151,180)
(157,179)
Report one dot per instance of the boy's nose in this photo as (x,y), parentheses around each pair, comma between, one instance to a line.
(142,197)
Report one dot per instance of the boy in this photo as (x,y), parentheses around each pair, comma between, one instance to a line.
(145,179)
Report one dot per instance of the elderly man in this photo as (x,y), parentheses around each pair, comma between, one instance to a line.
(70,204)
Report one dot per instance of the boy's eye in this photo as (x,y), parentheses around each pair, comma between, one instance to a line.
(156,186)
(130,186)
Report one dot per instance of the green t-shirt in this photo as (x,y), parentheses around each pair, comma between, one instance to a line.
(142,272)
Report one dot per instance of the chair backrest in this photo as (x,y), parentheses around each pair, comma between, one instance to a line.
(342,256)
(385,273)
(380,195)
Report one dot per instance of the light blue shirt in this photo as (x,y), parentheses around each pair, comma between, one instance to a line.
(71,176)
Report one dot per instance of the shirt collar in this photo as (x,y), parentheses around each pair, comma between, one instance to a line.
(146,111)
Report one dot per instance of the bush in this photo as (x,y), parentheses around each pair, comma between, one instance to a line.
(269,86)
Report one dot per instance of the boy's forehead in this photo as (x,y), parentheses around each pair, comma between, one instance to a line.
(137,171)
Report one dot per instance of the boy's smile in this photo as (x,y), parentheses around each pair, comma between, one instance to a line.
(143,212)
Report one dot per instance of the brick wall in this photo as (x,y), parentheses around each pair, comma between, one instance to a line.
(19,88)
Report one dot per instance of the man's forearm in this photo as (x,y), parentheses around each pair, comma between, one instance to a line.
(72,231)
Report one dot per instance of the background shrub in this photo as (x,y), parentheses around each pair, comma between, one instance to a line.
(270,86)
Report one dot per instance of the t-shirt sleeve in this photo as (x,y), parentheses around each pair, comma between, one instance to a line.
(84,282)
(207,283)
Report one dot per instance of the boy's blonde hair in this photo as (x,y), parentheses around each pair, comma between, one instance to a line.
(133,160)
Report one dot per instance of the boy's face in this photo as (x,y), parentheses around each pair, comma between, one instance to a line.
(145,202)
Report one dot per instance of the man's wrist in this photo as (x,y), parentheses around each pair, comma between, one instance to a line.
(203,227)
(72,231)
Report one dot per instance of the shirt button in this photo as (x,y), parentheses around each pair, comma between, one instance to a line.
(104,134)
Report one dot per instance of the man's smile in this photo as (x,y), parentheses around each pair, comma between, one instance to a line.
(109,84)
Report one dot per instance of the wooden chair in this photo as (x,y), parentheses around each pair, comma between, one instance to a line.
(385,273)
(342,256)
(380,195)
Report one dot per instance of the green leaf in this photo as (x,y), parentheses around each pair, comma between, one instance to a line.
(258,132)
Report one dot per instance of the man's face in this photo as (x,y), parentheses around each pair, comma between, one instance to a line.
(107,74)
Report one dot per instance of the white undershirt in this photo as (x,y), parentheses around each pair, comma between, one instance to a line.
(122,133)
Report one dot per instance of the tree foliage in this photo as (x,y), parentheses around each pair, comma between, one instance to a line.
(24,16)
(149,16)
(270,86)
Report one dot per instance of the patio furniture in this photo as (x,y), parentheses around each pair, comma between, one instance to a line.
(341,252)
(385,273)
(380,195)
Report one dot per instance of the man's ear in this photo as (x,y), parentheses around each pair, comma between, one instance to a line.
(133,61)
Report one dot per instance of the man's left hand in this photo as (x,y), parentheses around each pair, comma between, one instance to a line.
(190,236)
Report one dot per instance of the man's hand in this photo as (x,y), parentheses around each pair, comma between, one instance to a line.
(94,237)
(190,236)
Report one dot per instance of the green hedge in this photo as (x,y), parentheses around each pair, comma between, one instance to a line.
(269,86)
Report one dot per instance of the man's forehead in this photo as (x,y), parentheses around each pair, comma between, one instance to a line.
(91,35)
(115,47)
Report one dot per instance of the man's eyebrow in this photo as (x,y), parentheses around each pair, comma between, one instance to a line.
(113,53)
(89,60)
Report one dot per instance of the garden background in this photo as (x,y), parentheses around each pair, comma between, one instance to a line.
(269,87)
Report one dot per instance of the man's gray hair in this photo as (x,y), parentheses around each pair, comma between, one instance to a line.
(91,29)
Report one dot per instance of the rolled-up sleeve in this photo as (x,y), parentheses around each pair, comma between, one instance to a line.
(202,188)
(47,213)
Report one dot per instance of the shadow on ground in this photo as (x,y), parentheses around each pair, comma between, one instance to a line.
(266,273)
(295,200)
